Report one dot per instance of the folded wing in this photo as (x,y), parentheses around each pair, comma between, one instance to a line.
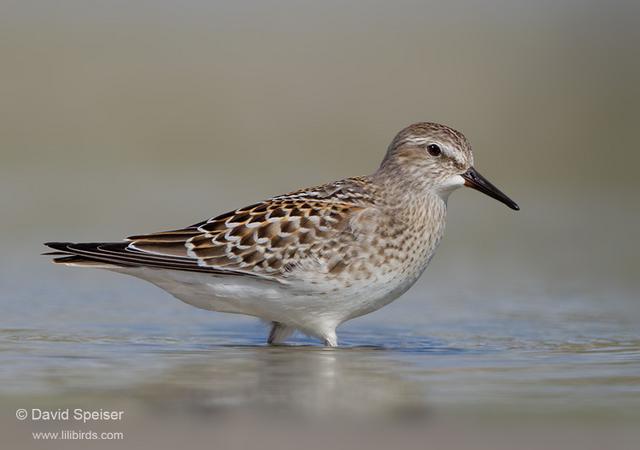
(273,239)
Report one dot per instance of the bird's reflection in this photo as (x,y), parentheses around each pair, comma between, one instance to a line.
(295,380)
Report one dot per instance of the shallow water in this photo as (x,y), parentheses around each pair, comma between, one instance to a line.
(131,341)
(382,373)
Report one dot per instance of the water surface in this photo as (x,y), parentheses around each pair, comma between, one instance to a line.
(142,345)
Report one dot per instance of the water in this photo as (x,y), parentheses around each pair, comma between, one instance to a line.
(131,341)
(387,372)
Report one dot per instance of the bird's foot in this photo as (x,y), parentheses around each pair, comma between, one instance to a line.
(279,333)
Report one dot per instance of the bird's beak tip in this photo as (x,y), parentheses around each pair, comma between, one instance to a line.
(476,181)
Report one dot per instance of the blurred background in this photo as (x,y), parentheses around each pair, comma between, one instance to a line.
(125,117)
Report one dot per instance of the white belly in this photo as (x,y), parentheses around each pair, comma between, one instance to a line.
(312,312)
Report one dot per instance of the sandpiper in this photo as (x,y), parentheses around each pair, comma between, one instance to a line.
(314,258)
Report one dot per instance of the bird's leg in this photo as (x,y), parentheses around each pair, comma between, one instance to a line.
(279,333)
(330,339)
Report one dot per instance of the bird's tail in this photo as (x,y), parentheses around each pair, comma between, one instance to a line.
(65,254)
(111,255)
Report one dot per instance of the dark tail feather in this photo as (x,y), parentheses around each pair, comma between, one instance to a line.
(120,254)
(66,254)
(59,246)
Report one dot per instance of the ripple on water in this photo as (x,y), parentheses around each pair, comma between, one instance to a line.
(376,370)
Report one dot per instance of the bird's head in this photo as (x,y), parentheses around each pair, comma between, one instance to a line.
(438,158)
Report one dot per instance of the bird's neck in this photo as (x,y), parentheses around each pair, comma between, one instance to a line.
(409,193)
(425,211)
(419,210)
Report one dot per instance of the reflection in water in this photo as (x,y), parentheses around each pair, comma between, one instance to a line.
(409,376)
(304,380)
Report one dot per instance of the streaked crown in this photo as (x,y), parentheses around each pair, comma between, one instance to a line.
(428,153)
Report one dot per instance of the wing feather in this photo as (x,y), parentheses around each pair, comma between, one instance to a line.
(270,239)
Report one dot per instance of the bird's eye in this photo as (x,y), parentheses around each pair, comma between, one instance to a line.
(434,150)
